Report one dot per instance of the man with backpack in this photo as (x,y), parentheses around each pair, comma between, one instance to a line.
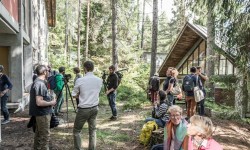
(154,85)
(189,82)
(51,79)
(59,80)
(112,84)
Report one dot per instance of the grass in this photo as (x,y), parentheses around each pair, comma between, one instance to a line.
(111,136)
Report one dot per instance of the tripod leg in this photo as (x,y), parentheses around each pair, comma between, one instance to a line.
(67,87)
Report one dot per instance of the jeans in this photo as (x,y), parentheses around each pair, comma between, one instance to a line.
(170,99)
(157,147)
(202,105)
(59,101)
(83,115)
(42,133)
(112,99)
(159,122)
(4,107)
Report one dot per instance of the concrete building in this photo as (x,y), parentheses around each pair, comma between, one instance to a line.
(23,41)
(146,56)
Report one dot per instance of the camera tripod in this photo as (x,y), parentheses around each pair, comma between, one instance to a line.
(67,93)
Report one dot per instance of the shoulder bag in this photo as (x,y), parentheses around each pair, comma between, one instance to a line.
(198,93)
(176,90)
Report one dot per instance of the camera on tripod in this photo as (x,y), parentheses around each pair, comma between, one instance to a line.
(104,75)
(66,77)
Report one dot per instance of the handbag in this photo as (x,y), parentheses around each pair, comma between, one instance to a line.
(176,90)
(198,93)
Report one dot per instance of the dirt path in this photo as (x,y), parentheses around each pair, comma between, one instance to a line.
(112,135)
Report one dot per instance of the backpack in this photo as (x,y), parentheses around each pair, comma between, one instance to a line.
(188,83)
(154,83)
(119,75)
(146,132)
(52,81)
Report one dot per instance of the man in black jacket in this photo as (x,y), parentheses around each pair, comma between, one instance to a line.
(112,84)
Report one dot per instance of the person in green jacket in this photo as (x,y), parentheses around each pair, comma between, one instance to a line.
(58,89)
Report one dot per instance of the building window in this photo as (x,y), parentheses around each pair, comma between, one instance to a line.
(225,66)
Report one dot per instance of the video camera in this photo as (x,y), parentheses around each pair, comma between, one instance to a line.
(66,77)
(104,75)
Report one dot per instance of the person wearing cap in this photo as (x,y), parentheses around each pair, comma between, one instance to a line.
(5,86)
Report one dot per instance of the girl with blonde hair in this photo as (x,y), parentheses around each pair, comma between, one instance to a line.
(200,130)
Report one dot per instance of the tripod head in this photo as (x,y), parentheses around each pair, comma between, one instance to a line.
(104,75)
(66,77)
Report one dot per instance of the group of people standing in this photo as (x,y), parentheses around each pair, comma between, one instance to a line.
(86,91)
(191,133)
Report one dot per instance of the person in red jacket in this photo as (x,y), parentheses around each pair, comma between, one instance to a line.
(200,130)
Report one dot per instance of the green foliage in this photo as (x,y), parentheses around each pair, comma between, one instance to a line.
(132,90)
(222,111)
(225,81)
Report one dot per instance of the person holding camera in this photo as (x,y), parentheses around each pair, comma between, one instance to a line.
(58,90)
(41,107)
(87,89)
(159,114)
(112,84)
(5,86)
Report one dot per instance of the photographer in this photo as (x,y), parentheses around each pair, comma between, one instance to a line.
(58,90)
(112,84)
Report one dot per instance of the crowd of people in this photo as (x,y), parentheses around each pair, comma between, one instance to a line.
(193,132)
(47,98)
(43,103)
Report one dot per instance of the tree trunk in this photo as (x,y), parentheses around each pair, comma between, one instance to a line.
(248,87)
(210,62)
(87,31)
(142,25)
(66,30)
(154,38)
(114,31)
(241,94)
(138,24)
(78,34)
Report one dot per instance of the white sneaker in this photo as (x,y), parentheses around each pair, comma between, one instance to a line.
(5,122)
